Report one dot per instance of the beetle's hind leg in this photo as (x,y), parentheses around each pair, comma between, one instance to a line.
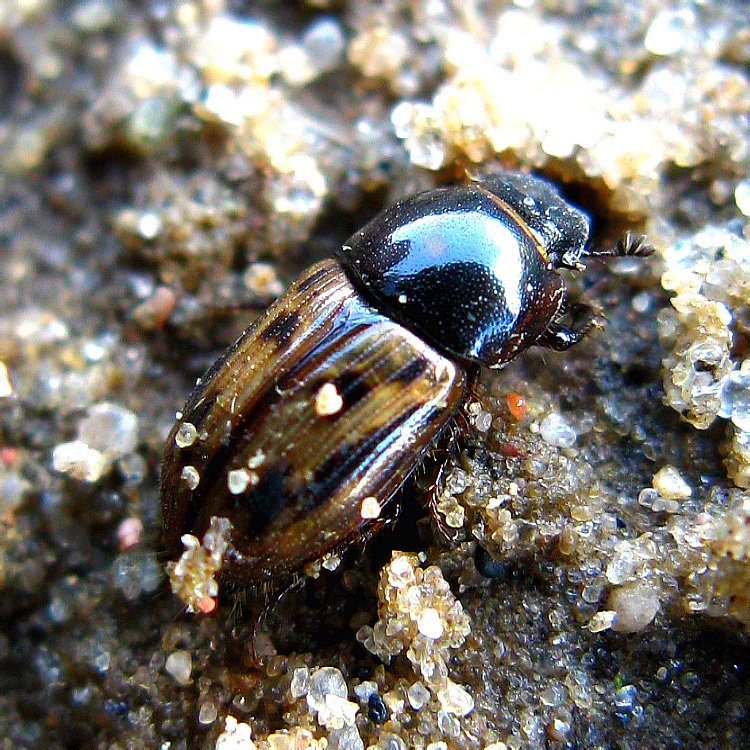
(571,324)
(434,470)
(272,596)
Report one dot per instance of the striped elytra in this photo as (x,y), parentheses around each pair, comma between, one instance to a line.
(299,436)
(305,428)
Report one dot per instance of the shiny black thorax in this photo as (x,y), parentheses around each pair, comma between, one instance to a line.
(470,268)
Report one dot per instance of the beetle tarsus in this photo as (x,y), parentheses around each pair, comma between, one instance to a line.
(561,335)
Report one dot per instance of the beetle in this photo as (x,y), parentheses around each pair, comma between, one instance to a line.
(295,441)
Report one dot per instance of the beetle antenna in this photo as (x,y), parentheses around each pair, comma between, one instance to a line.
(628,246)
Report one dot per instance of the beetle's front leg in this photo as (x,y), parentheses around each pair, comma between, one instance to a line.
(571,324)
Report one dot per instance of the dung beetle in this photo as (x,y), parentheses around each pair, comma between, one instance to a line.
(295,441)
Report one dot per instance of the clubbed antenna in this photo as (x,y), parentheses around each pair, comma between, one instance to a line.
(628,246)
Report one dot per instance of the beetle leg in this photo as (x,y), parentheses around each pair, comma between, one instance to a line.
(272,601)
(431,479)
(571,324)
(434,478)
(445,534)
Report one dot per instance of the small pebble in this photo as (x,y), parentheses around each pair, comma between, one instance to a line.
(149,225)
(179,665)
(79,461)
(647,496)
(6,387)
(236,736)
(186,435)
(323,41)
(331,562)
(483,421)
(635,606)
(602,621)
(346,738)
(13,489)
(517,406)
(559,729)
(300,681)
(622,565)
(328,400)
(668,482)
(418,695)
(429,624)
(556,431)
(190,476)
(376,709)
(153,312)
(261,279)
(626,698)
(109,428)
(92,16)
(133,467)
(325,681)
(370,508)
(238,481)
(455,700)
(129,532)
(207,713)
(669,31)
(135,573)
(338,712)
(204,605)
(365,689)
(742,197)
